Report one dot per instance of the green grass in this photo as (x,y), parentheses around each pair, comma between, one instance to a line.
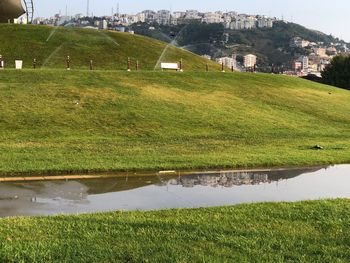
(316,231)
(109,50)
(79,121)
(57,121)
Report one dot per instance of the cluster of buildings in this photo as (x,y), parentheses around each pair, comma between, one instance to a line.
(316,55)
(249,62)
(224,179)
(231,20)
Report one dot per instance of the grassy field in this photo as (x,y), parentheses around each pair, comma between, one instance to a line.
(109,50)
(296,232)
(59,121)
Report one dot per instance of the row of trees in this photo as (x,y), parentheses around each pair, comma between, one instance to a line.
(338,72)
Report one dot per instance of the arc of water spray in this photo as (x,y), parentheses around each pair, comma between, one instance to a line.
(172,43)
(168,39)
(53,31)
(187,47)
(109,38)
(51,55)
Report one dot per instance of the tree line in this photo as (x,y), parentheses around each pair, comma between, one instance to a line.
(337,73)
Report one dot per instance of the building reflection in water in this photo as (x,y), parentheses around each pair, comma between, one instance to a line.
(223,179)
(178,190)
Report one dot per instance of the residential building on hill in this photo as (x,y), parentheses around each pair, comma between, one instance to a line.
(249,61)
(228,61)
(298,42)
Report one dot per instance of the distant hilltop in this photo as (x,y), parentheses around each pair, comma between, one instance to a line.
(231,20)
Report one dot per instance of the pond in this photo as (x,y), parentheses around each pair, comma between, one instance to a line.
(180,190)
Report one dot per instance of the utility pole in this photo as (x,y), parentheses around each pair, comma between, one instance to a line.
(87,8)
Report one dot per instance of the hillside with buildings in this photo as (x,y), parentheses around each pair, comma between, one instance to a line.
(277,48)
(225,37)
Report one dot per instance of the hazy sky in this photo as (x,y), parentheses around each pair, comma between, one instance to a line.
(331,17)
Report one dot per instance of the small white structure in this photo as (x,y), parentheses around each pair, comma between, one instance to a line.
(2,63)
(170,66)
(19,64)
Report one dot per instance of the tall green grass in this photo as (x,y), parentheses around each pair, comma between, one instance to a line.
(296,232)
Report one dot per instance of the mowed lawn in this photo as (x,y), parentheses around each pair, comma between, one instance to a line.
(109,50)
(78,121)
(316,231)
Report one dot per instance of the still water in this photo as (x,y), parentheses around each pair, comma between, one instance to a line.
(202,189)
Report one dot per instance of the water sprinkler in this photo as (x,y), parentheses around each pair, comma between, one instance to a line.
(129,64)
(68,62)
(91,65)
(2,64)
(181,66)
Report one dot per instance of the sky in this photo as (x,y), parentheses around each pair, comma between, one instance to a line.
(331,17)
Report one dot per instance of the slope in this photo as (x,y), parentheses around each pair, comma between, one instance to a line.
(79,121)
(109,50)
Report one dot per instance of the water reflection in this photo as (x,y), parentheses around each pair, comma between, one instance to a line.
(224,179)
(174,191)
(231,179)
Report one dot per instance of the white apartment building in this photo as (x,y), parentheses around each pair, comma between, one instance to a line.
(211,18)
(249,61)
(163,17)
(150,15)
(249,23)
(305,62)
(104,24)
(265,22)
(192,14)
(139,17)
(299,42)
(243,22)
(178,14)
(228,62)
(321,52)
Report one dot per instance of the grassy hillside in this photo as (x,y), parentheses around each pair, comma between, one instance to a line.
(296,232)
(109,50)
(54,120)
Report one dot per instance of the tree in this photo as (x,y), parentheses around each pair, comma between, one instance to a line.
(337,73)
